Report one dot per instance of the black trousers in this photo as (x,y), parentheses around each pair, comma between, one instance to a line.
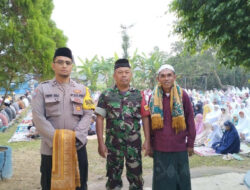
(46,168)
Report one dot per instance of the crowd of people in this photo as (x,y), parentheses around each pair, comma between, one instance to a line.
(11,107)
(221,118)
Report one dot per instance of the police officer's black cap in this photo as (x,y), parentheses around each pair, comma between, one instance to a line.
(121,63)
(63,51)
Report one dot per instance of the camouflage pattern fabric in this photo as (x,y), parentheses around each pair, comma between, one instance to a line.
(123,138)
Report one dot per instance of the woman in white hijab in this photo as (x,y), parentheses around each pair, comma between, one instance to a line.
(214,136)
(224,116)
(243,126)
(214,115)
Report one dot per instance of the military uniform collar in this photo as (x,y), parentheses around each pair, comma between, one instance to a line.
(131,89)
(71,82)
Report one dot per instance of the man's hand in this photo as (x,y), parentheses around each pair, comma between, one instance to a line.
(190,151)
(146,147)
(78,143)
(102,150)
(151,153)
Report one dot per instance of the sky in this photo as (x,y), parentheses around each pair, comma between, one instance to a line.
(93,26)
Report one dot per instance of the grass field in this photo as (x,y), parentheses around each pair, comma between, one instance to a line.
(97,164)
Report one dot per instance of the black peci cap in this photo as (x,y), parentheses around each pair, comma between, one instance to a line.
(64,51)
(121,63)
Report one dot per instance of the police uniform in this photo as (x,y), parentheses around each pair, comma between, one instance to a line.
(60,106)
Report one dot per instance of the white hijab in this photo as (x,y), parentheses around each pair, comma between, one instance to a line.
(214,115)
(243,125)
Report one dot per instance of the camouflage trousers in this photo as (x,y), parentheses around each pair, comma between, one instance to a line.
(117,151)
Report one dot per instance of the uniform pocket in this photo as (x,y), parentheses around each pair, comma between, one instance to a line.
(77,105)
(134,106)
(113,109)
(53,106)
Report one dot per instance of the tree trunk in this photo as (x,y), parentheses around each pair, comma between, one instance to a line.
(223,87)
(7,88)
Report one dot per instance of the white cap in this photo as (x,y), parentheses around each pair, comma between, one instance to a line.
(7,101)
(166,66)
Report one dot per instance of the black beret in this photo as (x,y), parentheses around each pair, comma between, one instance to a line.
(121,63)
(64,51)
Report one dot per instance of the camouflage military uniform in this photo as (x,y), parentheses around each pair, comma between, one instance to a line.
(123,113)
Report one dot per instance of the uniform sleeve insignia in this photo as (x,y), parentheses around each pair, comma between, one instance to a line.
(88,103)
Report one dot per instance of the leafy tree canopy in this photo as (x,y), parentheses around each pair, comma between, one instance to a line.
(28,39)
(219,23)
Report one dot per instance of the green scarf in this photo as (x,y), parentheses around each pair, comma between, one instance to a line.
(176,106)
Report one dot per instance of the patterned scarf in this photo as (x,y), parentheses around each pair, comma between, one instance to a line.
(176,106)
(65,171)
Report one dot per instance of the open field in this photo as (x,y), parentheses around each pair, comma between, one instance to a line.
(26,163)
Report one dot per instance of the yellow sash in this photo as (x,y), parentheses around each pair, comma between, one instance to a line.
(65,171)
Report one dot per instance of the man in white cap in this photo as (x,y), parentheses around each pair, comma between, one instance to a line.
(173,132)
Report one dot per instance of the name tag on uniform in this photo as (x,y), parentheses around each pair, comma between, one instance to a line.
(77,91)
(77,95)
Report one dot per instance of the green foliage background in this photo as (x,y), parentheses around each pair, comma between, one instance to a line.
(223,25)
(28,39)
(201,71)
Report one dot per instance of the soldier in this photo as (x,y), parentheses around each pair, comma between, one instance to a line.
(60,104)
(123,107)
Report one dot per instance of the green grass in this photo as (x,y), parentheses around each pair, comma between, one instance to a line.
(5,136)
(197,161)
(97,164)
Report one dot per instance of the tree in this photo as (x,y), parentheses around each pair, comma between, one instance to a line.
(106,70)
(200,71)
(145,68)
(89,72)
(125,40)
(203,71)
(223,25)
(28,38)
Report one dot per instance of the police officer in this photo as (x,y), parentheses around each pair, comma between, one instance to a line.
(123,108)
(59,104)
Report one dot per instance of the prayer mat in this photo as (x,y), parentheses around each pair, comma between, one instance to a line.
(205,151)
